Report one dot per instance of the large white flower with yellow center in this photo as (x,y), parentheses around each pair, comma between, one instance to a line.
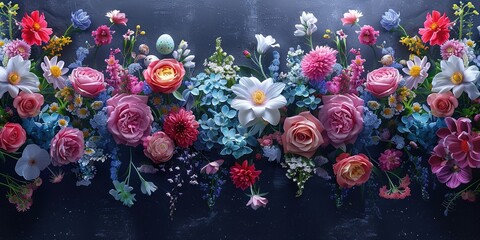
(17,76)
(455,77)
(258,101)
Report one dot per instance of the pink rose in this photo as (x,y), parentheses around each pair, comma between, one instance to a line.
(352,170)
(67,146)
(164,76)
(87,82)
(342,117)
(442,104)
(383,81)
(158,147)
(12,137)
(28,104)
(129,118)
(303,134)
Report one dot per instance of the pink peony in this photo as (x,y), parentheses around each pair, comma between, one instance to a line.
(158,147)
(12,137)
(102,35)
(117,17)
(442,104)
(181,127)
(17,47)
(87,82)
(129,118)
(352,170)
(67,146)
(383,82)
(351,17)
(319,63)
(390,160)
(28,104)
(368,35)
(303,134)
(452,48)
(342,117)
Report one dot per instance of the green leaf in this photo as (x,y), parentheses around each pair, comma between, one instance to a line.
(178,96)
(246,71)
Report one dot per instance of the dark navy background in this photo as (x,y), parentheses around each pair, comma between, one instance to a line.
(67,212)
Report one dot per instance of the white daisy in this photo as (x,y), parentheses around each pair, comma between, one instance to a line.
(17,76)
(53,71)
(34,159)
(264,43)
(417,69)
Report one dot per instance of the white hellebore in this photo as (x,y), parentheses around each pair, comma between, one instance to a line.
(307,26)
(265,43)
(17,76)
(258,101)
(455,77)
(34,159)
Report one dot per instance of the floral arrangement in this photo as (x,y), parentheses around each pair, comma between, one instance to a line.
(402,125)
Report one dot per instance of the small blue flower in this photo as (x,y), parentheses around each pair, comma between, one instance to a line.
(80,19)
(390,20)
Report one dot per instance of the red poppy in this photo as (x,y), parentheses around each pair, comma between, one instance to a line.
(436,29)
(34,28)
(244,176)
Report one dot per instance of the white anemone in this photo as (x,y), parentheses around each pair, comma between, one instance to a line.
(17,76)
(417,69)
(34,159)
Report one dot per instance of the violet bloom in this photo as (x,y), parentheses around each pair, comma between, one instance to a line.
(257,201)
(448,170)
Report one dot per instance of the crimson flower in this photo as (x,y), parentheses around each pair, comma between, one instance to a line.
(244,176)
(181,127)
(436,29)
(103,35)
(34,28)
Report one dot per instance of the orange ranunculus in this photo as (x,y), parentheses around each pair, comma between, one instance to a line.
(164,76)
(352,170)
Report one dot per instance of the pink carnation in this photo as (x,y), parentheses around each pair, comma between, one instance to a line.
(319,63)
(368,35)
(390,160)
(17,47)
(103,35)
(452,48)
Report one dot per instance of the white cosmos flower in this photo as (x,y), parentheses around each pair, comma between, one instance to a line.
(17,76)
(258,101)
(455,77)
(34,159)
(417,69)
(265,43)
(307,26)
(53,71)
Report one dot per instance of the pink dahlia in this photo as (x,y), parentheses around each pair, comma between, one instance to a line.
(368,35)
(390,160)
(103,35)
(452,48)
(181,127)
(319,63)
(17,47)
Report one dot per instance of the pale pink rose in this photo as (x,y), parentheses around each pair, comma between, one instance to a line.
(129,118)
(158,147)
(165,75)
(212,167)
(12,137)
(352,170)
(117,17)
(342,118)
(303,134)
(442,104)
(351,17)
(383,82)
(67,146)
(28,104)
(257,201)
(87,82)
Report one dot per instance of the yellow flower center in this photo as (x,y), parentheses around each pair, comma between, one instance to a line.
(470,43)
(387,111)
(258,97)
(417,107)
(14,78)
(457,78)
(165,73)
(355,172)
(36,26)
(434,26)
(415,71)
(62,122)
(56,71)
(2,43)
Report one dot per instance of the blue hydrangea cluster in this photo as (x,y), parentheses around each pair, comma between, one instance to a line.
(421,129)
(275,66)
(369,135)
(43,127)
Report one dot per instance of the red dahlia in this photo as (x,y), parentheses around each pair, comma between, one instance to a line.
(181,127)
(244,176)
(436,29)
(34,28)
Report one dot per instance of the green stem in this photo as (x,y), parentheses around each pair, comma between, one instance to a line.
(310,42)
(68,30)
(10,28)
(260,66)
(8,155)
(129,168)
(403,30)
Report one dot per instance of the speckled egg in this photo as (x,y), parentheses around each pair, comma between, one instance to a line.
(165,44)
(149,59)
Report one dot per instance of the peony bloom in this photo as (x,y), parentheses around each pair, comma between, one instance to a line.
(34,28)
(390,159)
(212,167)
(303,134)
(33,160)
(367,35)
(436,29)
(103,35)
(80,19)
(158,147)
(452,48)
(12,137)
(318,63)
(448,171)
(17,47)
(307,25)
(257,201)
(245,175)
(265,43)
(383,82)
(352,170)
(442,104)
(258,101)
(117,17)
(351,17)
(87,82)
(67,146)
(53,72)
(17,76)
(390,20)
(417,71)
(28,104)
(455,77)
(182,127)
(164,76)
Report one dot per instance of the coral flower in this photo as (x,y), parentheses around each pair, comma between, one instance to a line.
(319,63)
(34,28)
(244,176)
(181,127)
(435,29)
(351,17)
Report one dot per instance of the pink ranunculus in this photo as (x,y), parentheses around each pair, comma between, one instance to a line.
(383,81)
(28,104)
(87,82)
(442,104)
(158,147)
(303,134)
(212,167)
(342,118)
(129,118)
(12,137)
(67,146)
(164,76)
(257,201)
(352,170)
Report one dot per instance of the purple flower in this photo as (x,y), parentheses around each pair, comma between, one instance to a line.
(80,19)
(448,170)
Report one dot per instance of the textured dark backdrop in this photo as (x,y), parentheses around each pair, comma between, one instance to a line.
(68,212)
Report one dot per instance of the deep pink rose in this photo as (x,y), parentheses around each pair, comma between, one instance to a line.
(442,104)
(158,147)
(303,134)
(12,137)
(383,82)
(28,104)
(67,146)
(165,75)
(342,118)
(129,118)
(352,170)
(87,82)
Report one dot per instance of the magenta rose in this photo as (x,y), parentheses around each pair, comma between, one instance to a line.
(12,137)
(303,134)
(129,118)
(87,82)
(67,146)
(28,104)
(442,104)
(352,170)
(342,118)
(158,147)
(383,81)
